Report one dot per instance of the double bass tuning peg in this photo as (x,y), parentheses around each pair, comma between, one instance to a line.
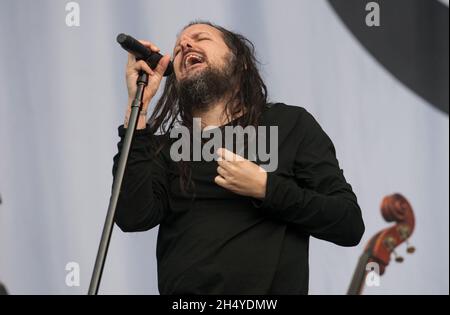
(398,259)
(409,248)
(405,233)
(389,242)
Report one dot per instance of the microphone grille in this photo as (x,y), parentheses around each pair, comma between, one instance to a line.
(121,38)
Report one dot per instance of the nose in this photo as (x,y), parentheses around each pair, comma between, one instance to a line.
(185,44)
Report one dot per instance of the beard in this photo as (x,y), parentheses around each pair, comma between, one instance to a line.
(199,90)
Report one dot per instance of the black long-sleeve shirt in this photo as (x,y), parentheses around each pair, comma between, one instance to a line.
(224,243)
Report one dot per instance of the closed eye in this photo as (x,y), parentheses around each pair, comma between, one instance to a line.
(199,39)
(202,39)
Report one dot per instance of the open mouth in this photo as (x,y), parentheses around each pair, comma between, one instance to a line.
(192,60)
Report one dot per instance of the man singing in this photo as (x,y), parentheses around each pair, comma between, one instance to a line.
(227,225)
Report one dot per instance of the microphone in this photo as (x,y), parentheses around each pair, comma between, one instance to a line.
(134,47)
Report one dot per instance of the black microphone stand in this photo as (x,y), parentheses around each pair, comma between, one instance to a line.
(142,82)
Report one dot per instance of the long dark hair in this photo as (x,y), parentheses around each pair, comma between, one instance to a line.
(250,97)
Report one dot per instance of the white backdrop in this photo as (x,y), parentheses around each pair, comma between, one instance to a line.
(62,96)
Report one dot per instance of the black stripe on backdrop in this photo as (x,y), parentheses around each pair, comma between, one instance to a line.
(411,42)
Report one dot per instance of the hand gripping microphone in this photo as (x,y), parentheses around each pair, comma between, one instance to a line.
(134,47)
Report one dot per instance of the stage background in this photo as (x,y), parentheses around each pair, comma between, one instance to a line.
(63,95)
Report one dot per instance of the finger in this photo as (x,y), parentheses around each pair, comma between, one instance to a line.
(223,172)
(149,45)
(219,180)
(162,65)
(143,66)
(131,59)
(228,155)
(225,154)
(226,165)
